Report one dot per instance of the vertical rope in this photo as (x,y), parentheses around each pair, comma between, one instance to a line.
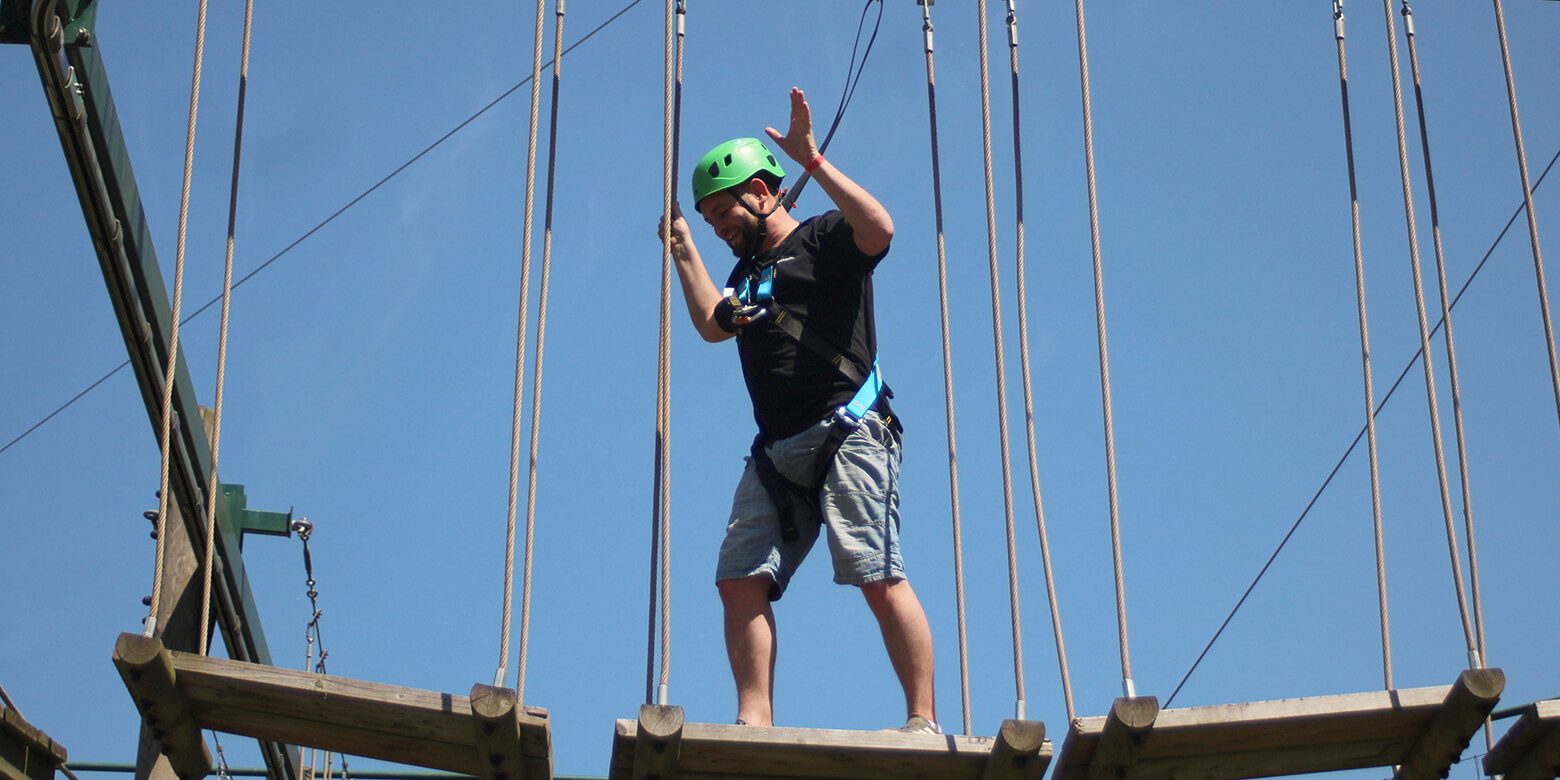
(1370,392)
(222,339)
(1424,337)
(541,343)
(1527,200)
(1023,352)
(514,429)
(673,67)
(1451,351)
(163,496)
(947,352)
(1099,322)
(996,335)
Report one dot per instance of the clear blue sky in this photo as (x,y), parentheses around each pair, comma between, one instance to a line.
(369,379)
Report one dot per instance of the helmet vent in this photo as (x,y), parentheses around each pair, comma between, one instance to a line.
(728,159)
(715,169)
(772,160)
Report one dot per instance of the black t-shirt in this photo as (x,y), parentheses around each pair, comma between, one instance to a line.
(825,281)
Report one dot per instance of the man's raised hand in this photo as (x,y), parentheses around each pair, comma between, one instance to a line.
(798,142)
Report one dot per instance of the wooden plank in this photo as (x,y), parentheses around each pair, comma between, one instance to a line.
(1268,738)
(1530,749)
(26,753)
(709,751)
(1126,728)
(1445,737)
(513,741)
(658,746)
(1019,753)
(148,671)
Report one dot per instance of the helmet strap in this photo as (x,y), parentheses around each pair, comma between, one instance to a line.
(757,244)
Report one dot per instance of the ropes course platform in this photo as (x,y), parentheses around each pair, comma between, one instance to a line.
(488,734)
(26,753)
(1423,731)
(661,744)
(1531,749)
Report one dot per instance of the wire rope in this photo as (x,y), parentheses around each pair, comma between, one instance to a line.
(927,31)
(1099,318)
(996,335)
(1527,198)
(1489,252)
(1424,339)
(164,497)
(1023,352)
(852,78)
(541,343)
(222,340)
(1369,381)
(514,429)
(1451,352)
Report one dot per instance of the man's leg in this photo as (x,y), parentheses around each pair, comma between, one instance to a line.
(751,646)
(908,639)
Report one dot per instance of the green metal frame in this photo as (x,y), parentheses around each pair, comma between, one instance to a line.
(75,82)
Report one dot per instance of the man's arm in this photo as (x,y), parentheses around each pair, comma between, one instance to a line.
(698,289)
(870,222)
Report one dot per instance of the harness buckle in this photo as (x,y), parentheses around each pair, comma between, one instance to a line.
(845,419)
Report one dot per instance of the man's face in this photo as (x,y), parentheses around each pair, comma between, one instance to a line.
(730,221)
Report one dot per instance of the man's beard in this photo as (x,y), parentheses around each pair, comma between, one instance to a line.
(747,242)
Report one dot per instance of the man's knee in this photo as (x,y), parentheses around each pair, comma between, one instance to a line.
(882,593)
(744,592)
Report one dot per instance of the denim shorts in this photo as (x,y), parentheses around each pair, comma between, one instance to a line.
(859,502)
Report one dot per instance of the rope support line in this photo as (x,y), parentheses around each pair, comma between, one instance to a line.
(1369,382)
(1527,200)
(163,495)
(672,62)
(1424,339)
(947,353)
(1023,352)
(1104,350)
(1451,351)
(996,335)
(1489,252)
(222,339)
(514,430)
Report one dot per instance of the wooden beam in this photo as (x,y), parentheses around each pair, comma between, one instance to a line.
(148,672)
(26,753)
(1017,753)
(513,741)
(659,743)
(1126,728)
(1444,738)
(1531,748)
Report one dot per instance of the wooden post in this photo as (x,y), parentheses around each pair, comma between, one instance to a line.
(659,742)
(1531,748)
(1442,742)
(165,714)
(1126,729)
(513,741)
(178,628)
(1016,754)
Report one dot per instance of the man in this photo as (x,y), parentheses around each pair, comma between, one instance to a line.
(799,302)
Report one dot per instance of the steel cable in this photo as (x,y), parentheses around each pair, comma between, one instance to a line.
(1023,352)
(947,352)
(1099,318)
(1527,198)
(164,499)
(1424,338)
(514,430)
(996,335)
(222,340)
(671,91)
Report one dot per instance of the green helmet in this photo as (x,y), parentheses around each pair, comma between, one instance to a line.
(732,163)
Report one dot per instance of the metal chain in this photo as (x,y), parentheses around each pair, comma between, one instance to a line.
(1099,317)
(223,773)
(163,494)
(222,339)
(1527,200)
(947,352)
(1424,339)
(1023,352)
(525,294)
(996,335)
(1370,391)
